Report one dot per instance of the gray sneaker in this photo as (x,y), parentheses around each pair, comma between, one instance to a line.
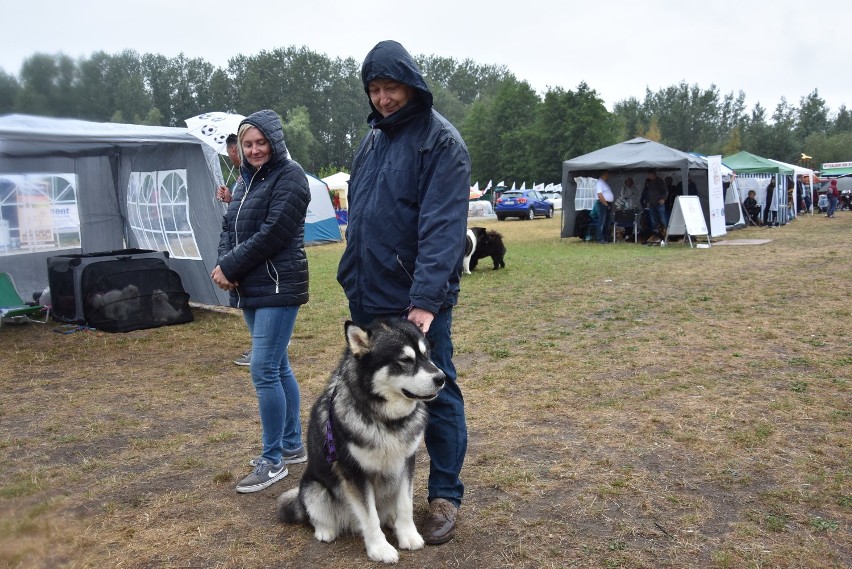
(244,360)
(295,457)
(265,474)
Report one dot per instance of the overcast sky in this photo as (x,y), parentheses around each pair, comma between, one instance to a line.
(619,48)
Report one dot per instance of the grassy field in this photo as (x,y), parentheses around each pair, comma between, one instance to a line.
(628,406)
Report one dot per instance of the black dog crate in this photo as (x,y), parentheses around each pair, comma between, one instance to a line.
(117,291)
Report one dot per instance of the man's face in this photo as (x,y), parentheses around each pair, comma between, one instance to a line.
(628,182)
(389,96)
(234,155)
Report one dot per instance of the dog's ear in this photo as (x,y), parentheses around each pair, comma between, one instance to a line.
(357,339)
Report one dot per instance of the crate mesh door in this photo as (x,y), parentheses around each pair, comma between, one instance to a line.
(131,294)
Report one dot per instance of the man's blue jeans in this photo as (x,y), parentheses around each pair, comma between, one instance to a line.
(601,215)
(657,213)
(446,433)
(274,382)
(832,206)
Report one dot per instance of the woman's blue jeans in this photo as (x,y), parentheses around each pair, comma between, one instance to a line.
(446,432)
(274,382)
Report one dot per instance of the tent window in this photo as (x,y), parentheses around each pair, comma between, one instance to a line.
(158,209)
(38,212)
(586,195)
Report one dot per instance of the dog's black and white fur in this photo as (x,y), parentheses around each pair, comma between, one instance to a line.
(469,248)
(362,436)
(484,243)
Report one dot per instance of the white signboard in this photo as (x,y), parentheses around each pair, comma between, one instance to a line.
(687,219)
(828,165)
(716,194)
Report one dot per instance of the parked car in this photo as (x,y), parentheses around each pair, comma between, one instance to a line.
(523,204)
(553,197)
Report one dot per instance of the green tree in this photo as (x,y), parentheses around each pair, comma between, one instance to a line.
(783,144)
(47,86)
(110,83)
(569,124)
(842,122)
(756,135)
(829,148)
(300,140)
(812,116)
(632,117)
(653,132)
(9,89)
(733,144)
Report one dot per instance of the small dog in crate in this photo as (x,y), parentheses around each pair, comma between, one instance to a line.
(161,309)
(118,304)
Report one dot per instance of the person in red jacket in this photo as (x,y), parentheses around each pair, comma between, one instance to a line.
(833,198)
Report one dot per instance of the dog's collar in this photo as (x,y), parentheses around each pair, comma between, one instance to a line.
(328,446)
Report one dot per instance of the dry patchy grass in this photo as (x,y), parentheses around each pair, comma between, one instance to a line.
(628,406)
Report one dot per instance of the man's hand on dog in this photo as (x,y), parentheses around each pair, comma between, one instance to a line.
(422,318)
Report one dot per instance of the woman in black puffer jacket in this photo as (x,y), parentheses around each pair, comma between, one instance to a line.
(262,263)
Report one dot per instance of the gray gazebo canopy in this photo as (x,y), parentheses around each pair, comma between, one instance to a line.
(634,155)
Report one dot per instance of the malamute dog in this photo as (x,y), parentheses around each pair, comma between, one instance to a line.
(362,436)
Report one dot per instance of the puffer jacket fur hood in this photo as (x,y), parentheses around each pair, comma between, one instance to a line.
(262,245)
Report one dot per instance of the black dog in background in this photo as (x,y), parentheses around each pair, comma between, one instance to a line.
(488,244)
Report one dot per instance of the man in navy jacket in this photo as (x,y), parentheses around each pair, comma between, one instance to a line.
(408,194)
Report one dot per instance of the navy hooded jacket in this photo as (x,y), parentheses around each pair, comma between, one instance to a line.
(262,245)
(408,194)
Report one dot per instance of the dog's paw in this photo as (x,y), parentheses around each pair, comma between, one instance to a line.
(410,539)
(326,534)
(383,552)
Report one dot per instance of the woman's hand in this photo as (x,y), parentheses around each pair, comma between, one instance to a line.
(219,279)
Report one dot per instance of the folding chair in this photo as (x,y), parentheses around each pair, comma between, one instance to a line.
(13,308)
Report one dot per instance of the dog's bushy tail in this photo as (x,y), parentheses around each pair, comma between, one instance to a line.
(290,508)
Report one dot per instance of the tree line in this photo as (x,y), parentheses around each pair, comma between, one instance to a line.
(513,133)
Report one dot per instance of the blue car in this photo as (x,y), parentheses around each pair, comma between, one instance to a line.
(523,204)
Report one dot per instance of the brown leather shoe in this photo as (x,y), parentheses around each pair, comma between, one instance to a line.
(441,524)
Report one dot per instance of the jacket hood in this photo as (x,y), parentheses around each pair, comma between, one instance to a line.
(268,122)
(389,60)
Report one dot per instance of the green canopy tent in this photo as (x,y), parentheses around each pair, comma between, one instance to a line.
(747,165)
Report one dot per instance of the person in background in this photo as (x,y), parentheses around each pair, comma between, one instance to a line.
(752,207)
(408,194)
(833,197)
(224,194)
(769,207)
(262,263)
(806,195)
(672,193)
(602,210)
(629,196)
(657,194)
